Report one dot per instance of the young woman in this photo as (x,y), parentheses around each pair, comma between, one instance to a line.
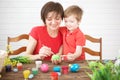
(46,40)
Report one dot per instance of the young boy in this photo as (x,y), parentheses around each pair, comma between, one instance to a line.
(73,38)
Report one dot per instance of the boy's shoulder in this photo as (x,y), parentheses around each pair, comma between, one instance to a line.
(63,29)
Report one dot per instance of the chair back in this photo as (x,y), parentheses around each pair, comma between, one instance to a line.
(16,39)
(91,51)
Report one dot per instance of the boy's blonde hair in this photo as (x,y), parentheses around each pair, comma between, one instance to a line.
(74,10)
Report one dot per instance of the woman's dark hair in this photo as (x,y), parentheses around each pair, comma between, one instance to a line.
(51,6)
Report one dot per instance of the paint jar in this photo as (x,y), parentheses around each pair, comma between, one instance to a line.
(26,74)
(54,75)
(34,71)
(38,64)
(19,66)
(65,69)
(8,68)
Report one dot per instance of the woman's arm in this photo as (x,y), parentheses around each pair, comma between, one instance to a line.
(30,48)
(44,50)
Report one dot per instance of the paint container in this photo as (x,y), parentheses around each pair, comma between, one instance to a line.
(19,66)
(65,69)
(54,75)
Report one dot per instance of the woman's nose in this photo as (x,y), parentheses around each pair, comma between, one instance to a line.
(53,21)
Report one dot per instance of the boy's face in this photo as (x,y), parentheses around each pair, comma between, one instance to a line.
(71,22)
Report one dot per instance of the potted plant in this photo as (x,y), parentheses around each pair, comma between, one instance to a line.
(108,70)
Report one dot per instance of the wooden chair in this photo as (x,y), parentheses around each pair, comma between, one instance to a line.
(91,51)
(16,39)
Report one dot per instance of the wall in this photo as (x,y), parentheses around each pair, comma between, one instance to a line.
(101,19)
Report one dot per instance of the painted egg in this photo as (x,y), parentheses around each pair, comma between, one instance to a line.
(31,76)
(55,57)
(74,67)
(15,70)
(44,68)
(56,69)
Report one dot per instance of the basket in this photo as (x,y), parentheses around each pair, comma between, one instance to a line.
(3,55)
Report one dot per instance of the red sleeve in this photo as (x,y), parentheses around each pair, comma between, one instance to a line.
(34,33)
(80,39)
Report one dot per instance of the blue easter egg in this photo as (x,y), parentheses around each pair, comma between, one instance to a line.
(74,67)
(31,76)
(56,69)
(15,70)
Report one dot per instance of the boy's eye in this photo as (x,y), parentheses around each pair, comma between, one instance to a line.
(71,21)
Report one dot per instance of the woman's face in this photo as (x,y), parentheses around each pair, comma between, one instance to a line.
(53,20)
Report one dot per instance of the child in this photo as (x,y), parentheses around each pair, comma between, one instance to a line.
(73,38)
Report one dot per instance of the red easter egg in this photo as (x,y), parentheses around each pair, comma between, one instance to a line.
(44,68)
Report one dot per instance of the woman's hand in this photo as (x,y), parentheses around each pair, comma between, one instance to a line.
(56,61)
(45,51)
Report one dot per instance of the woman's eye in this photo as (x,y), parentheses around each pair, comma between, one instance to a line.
(49,19)
(57,18)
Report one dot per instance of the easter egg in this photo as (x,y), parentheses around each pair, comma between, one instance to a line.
(56,69)
(74,67)
(55,57)
(44,68)
(15,70)
(31,76)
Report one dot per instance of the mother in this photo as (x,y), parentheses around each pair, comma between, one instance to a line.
(46,40)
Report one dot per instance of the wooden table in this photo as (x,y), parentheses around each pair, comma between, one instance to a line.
(80,75)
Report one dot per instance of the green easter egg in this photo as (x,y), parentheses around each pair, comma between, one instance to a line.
(55,57)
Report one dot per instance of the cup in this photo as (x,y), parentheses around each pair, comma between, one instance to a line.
(34,71)
(19,66)
(54,75)
(26,74)
(38,64)
(8,68)
(65,69)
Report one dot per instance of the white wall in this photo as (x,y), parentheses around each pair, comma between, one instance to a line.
(101,19)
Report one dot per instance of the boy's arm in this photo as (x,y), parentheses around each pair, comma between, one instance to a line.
(78,51)
(76,54)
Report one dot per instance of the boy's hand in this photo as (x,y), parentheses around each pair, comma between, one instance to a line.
(71,57)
